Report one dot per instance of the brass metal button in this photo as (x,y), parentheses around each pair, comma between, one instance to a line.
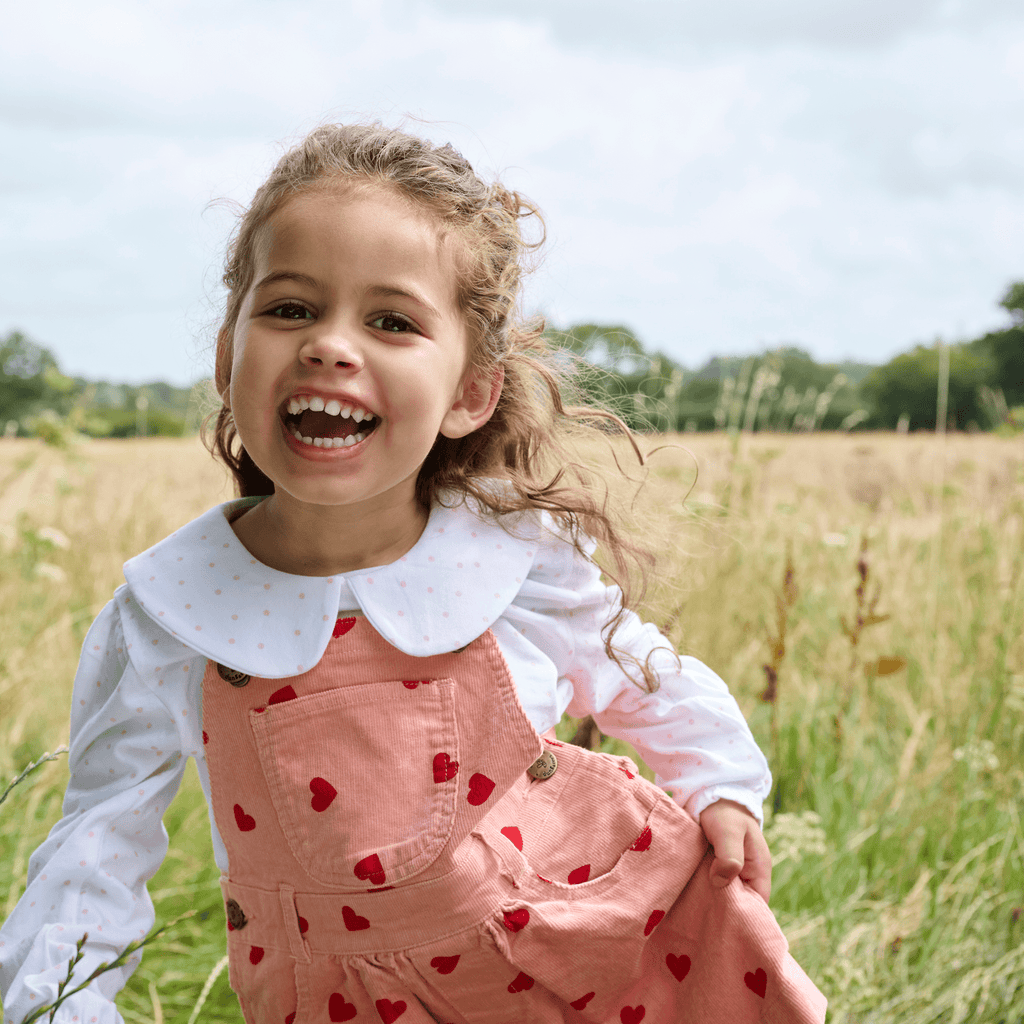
(235,916)
(231,675)
(544,767)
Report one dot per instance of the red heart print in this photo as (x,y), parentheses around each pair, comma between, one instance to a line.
(653,921)
(643,841)
(480,788)
(520,983)
(757,982)
(444,768)
(389,1011)
(513,835)
(445,964)
(255,954)
(338,1009)
(632,1014)
(303,926)
(323,794)
(628,773)
(411,684)
(581,1003)
(245,822)
(517,920)
(679,966)
(290,1019)
(206,739)
(280,696)
(341,627)
(580,874)
(370,869)
(353,922)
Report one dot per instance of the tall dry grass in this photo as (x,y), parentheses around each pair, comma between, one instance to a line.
(895,821)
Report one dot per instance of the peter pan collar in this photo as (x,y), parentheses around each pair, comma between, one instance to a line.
(202,586)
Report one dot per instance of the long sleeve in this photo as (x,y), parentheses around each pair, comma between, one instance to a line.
(90,873)
(691,731)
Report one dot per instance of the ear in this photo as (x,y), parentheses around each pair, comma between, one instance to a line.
(475,403)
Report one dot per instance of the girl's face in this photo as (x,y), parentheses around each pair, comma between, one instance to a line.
(351,336)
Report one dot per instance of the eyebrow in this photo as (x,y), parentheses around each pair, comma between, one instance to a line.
(383,290)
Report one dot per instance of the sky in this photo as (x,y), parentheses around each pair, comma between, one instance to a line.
(721,176)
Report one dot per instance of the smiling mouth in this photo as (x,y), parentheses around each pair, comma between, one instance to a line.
(322,430)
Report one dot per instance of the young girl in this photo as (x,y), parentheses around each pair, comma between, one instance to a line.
(368,651)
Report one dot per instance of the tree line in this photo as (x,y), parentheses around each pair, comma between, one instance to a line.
(784,389)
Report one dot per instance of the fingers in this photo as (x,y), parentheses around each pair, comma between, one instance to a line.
(740,848)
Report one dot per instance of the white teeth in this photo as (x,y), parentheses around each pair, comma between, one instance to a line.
(346,410)
(294,408)
(357,415)
(303,403)
(316,404)
(333,407)
(330,442)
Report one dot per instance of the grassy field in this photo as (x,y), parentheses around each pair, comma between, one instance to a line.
(895,734)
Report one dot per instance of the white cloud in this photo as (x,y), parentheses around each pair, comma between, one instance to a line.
(844,174)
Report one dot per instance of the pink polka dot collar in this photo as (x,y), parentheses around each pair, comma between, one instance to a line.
(203,587)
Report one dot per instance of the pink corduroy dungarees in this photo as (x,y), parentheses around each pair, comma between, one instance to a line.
(391,859)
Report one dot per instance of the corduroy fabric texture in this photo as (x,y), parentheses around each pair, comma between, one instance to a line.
(392,860)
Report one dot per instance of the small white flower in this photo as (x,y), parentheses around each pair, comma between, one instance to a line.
(54,536)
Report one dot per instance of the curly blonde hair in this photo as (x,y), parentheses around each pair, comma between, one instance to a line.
(531,440)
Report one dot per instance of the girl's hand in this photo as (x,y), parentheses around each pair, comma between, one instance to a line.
(740,848)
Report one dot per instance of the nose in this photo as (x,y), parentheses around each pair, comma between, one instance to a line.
(331,345)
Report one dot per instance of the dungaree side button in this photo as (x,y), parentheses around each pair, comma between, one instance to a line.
(235,916)
(544,767)
(231,675)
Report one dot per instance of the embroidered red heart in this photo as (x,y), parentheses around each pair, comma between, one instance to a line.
(480,788)
(520,983)
(390,1011)
(323,794)
(255,954)
(623,768)
(411,684)
(341,627)
(517,920)
(370,869)
(513,835)
(280,696)
(581,1003)
(444,768)
(643,841)
(290,1019)
(580,874)
(245,822)
(653,921)
(206,739)
(632,1014)
(303,926)
(757,982)
(259,711)
(678,965)
(445,964)
(338,1009)
(353,922)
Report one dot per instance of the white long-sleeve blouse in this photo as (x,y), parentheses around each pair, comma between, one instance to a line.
(137,711)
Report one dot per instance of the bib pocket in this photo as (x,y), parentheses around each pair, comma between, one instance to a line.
(373,820)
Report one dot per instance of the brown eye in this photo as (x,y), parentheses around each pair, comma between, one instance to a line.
(391,323)
(291,311)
